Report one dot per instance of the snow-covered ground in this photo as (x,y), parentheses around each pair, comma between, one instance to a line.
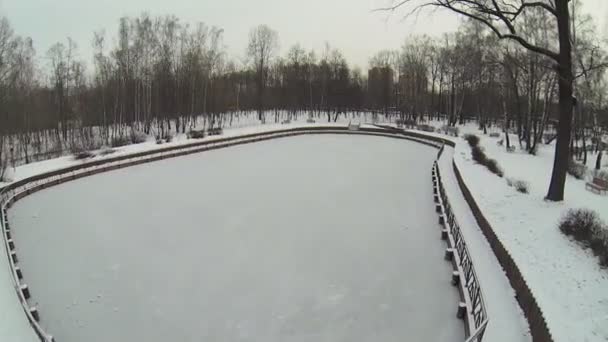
(324,238)
(567,281)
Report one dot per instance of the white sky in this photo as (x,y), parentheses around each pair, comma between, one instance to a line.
(349,25)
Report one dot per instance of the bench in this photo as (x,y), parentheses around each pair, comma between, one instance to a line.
(214,131)
(511,148)
(597,185)
(353,127)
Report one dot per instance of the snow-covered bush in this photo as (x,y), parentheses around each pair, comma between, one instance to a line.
(479,155)
(472,139)
(106,150)
(584,225)
(519,185)
(83,155)
(580,223)
(80,152)
(120,141)
(576,170)
(493,166)
(599,244)
(138,137)
(450,130)
(196,134)
(426,128)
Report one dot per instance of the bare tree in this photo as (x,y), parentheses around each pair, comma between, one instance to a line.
(263,45)
(505,19)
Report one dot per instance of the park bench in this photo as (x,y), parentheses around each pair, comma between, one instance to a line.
(214,131)
(597,185)
(353,127)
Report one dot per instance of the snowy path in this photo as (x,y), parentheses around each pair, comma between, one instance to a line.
(314,238)
(507,323)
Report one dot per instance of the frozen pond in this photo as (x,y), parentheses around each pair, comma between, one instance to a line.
(311,238)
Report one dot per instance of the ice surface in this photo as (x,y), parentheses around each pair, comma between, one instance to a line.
(313,238)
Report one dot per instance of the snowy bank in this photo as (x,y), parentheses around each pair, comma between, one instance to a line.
(565,279)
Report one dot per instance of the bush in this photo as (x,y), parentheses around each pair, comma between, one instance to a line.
(138,137)
(576,170)
(106,150)
(479,155)
(472,139)
(579,223)
(519,185)
(168,137)
(83,155)
(426,128)
(599,244)
(196,134)
(585,226)
(450,130)
(602,175)
(493,166)
(120,141)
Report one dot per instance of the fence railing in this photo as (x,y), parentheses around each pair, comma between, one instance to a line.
(473,309)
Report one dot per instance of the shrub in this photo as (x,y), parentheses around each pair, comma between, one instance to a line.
(479,155)
(599,243)
(584,225)
(409,123)
(106,150)
(83,155)
(168,137)
(519,185)
(472,139)
(196,134)
(119,141)
(493,166)
(426,128)
(450,130)
(138,137)
(576,170)
(580,223)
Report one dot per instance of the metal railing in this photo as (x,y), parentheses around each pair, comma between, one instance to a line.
(476,314)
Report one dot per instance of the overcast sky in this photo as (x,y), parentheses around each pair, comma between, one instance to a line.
(349,25)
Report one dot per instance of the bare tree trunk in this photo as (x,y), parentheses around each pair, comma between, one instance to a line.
(564,129)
